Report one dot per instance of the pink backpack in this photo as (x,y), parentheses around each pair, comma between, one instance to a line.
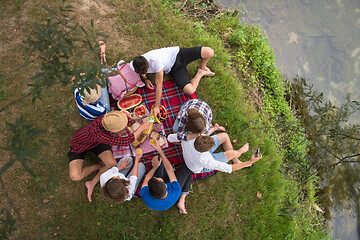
(124,83)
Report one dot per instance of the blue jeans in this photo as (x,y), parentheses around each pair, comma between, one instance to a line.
(176,123)
(104,98)
(141,170)
(217,156)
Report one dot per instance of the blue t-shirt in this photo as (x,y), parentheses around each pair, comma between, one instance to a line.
(174,192)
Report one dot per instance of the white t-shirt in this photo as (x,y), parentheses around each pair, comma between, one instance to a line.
(114,172)
(197,161)
(160,59)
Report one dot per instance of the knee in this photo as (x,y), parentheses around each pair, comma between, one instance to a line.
(207,52)
(189,89)
(75,176)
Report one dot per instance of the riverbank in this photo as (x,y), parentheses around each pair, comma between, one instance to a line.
(246,95)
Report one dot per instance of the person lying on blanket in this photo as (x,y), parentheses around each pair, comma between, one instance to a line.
(199,156)
(173,61)
(162,188)
(97,138)
(194,116)
(120,184)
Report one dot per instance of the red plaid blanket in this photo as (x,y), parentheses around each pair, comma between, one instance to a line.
(172,99)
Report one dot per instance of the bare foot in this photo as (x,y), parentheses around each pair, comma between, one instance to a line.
(207,70)
(203,72)
(182,208)
(244,148)
(90,190)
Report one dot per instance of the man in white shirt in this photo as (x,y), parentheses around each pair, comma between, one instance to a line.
(173,61)
(199,156)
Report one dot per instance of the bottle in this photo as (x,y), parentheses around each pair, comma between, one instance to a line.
(151,119)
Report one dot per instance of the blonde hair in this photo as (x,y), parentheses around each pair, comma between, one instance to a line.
(204,143)
(195,122)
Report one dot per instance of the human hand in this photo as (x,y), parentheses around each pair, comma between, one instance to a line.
(156,145)
(139,154)
(129,115)
(148,84)
(124,164)
(255,159)
(245,148)
(156,162)
(156,110)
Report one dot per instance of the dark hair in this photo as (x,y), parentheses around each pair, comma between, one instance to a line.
(116,189)
(157,188)
(195,122)
(140,64)
(204,143)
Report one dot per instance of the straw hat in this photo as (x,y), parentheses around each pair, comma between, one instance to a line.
(92,96)
(114,121)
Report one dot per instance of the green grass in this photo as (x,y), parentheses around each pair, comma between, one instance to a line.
(221,207)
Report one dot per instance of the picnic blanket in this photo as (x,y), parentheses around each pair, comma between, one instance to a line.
(172,99)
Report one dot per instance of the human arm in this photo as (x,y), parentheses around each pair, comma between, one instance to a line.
(136,163)
(168,167)
(206,160)
(216,127)
(155,164)
(102,47)
(159,78)
(143,126)
(238,166)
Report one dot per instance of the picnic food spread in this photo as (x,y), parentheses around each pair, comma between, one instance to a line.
(132,104)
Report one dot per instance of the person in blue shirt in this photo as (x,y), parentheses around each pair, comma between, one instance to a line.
(162,188)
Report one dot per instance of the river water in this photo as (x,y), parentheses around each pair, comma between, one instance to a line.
(320,41)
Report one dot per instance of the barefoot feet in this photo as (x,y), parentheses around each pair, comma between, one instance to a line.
(205,71)
(182,208)
(90,189)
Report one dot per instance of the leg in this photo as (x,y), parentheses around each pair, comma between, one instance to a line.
(225,141)
(108,159)
(77,172)
(181,203)
(141,173)
(191,87)
(206,54)
(179,72)
(176,123)
(184,177)
(235,154)
(104,98)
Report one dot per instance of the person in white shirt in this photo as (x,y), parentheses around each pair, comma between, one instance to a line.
(120,184)
(173,61)
(199,156)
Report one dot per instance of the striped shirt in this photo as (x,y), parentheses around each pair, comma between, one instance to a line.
(93,134)
(92,110)
(182,116)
